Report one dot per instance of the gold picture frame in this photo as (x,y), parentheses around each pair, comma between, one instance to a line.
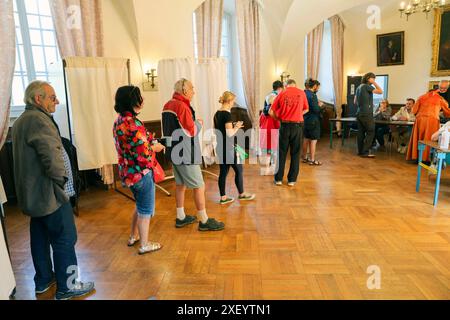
(441,43)
(433,85)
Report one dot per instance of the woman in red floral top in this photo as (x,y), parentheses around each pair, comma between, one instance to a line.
(136,151)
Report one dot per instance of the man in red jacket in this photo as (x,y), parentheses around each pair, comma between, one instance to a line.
(181,130)
(289,108)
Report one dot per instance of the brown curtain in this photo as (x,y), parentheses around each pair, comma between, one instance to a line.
(314,43)
(7,64)
(208,20)
(248,13)
(337,45)
(79,30)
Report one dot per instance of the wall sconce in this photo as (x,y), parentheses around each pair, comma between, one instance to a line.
(285,77)
(150,85)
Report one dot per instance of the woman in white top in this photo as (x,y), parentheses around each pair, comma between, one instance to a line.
(436,135)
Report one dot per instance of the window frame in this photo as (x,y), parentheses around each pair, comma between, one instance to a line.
(27,70)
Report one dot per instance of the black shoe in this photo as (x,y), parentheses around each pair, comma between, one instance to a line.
(80,290)
(211,225)
(187,221)
(45,288)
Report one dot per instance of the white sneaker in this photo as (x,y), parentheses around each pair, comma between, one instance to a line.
(291,184)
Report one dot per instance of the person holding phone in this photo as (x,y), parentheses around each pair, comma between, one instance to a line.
(136,148)
(226,132)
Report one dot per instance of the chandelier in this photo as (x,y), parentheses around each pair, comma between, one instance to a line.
(415,6)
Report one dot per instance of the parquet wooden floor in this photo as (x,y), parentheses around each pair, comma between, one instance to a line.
(314,241)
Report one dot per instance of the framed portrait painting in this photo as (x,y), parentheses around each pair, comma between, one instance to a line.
(441,43)
(391,49)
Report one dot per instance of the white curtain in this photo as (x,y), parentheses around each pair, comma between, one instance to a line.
(211,83)
(209,78)
(172,70)
(8,283)
(208,20)
(93,83)
(79,31)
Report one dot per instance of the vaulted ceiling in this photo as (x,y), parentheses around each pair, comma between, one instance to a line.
(287,21)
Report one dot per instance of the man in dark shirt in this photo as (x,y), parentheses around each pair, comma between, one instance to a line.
(366,122)
(289,107)
(444,92)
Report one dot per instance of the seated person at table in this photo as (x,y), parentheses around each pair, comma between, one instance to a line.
(426,110)
(383,112)
(436,135)
(402,134)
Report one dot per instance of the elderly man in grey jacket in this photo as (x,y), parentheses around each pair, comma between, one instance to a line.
(44,184)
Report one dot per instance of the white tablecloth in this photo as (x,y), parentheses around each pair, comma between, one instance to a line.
(2,193)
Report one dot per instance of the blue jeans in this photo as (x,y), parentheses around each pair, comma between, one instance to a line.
(144,194)
(57,230)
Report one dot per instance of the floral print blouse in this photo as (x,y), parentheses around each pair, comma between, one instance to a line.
(133,147)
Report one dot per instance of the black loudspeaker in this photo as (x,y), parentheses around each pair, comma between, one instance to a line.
(353,83)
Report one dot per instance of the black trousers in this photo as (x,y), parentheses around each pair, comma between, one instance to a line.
(59,232)
(366,133)
(291,136)
(380,131)
(238,177)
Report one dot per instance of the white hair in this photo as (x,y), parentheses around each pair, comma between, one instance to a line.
(180,85)
(34,88)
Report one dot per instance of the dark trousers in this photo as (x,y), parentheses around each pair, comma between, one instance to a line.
(366,133)
(59,232)
(291,136)
(380,131)
(238,177)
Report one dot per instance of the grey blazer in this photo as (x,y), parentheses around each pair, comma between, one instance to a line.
(39,172)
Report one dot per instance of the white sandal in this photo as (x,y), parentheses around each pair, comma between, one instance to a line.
(150,247)
(132,241)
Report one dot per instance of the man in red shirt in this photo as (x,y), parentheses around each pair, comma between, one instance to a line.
(289,108)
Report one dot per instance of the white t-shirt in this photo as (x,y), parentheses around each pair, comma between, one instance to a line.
(444,127)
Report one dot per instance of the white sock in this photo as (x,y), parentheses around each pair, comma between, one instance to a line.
(203,217)
(180,214)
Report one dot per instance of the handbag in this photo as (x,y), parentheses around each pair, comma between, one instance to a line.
(158,172)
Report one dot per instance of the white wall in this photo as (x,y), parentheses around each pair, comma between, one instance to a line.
(408,80)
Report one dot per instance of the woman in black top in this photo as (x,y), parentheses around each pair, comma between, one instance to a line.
(226,133)
(312,122)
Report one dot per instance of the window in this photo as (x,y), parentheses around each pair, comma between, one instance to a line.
(36,47)
(383,82)
(325,77)
(226,51)
(229,51)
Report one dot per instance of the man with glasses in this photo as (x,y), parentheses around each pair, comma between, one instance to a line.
(44,184)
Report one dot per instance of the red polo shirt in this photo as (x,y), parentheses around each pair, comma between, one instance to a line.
(290,105)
